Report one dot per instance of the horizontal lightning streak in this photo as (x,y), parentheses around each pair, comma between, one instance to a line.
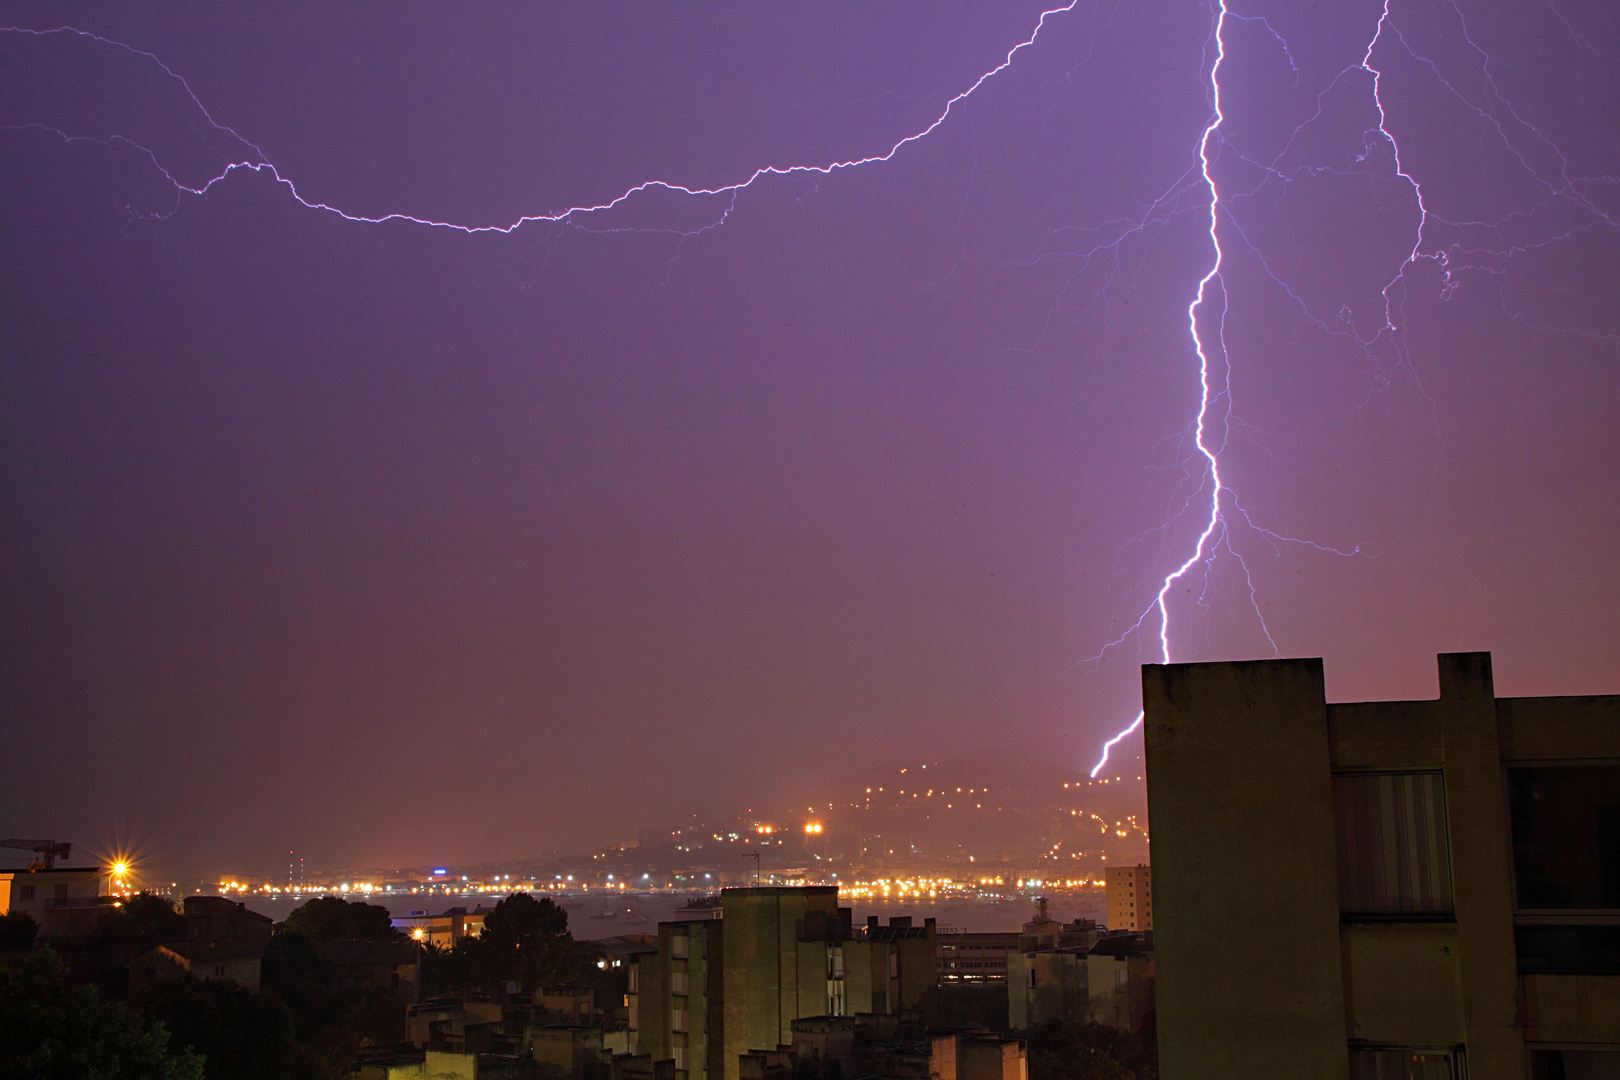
(263,164)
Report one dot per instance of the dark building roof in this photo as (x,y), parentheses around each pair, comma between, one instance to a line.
(1134,944)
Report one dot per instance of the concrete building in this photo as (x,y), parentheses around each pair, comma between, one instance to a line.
(675,999)
(202,960)
(1049,984)
(1403,889)
(720,989)
(974,957)
(1129,897)
(63,901)
(792,953)
(1120,977)
(215,918)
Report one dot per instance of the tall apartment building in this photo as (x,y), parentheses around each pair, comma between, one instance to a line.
(1129,897)
(675,999)
(718,989)
(1408,889)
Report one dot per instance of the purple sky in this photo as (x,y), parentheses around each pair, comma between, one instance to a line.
(394,543)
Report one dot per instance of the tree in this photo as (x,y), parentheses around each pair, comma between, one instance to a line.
(241,1035)
(144,921)
(520,919)
(51,1031)
(1059,1051)
(330,918)
(17,930)
(524,941)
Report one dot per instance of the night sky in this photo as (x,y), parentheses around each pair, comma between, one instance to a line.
(395,543)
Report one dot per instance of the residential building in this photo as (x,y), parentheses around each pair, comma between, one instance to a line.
(719,989)
(1129,897)
(202,960)
(63,901)
(566,1051)
(443,1065)
(457,1024)
(215,918)
(1120,981)
(675,999)
(1382,889)
(989,1057)
(1047,984)
(965,957)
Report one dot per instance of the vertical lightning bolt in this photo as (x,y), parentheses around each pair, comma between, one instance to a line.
(1437,241)
(1212,462)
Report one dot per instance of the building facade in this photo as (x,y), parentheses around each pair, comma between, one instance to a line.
(966,957)
(1403,889)
(63,901)
(1129,897)
(718,990)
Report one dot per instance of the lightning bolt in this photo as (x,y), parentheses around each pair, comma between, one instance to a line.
(259,162)
(1209,501)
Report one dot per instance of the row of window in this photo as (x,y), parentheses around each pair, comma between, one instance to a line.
(1394,857)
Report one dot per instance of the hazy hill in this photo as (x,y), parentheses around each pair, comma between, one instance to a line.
(997,806)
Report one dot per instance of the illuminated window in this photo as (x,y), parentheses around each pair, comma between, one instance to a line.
(1394,856)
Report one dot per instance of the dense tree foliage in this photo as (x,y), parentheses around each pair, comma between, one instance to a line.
(17,930)
(241,1035)
(333,1019)
(52,1031)
(143,922)
(328,918)
(1059,1051)
(525,941)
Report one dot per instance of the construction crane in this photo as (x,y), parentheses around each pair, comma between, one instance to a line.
(47,850)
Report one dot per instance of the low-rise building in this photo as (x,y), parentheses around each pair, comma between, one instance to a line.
(63,901)
(1119,981)
(459,1025)
(1049,984)
(200,960)
(443,1065)
(215,918)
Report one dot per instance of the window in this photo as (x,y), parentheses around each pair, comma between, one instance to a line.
(1584,1064)
(1401,1063)
(1566,836)
(1565,821)
(1394,857)
(25,892)
(678,945)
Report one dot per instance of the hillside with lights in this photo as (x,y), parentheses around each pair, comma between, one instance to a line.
(978,813)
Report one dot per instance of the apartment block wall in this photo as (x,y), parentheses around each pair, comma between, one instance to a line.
(1243,761)
(763,990)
